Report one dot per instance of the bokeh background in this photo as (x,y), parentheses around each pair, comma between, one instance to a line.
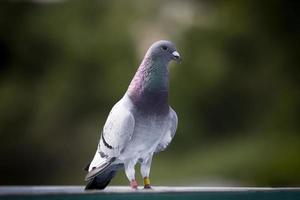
(63,65)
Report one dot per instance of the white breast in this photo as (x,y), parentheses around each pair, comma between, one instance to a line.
(147,134)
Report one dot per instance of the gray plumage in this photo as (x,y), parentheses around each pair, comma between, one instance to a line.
(140,124)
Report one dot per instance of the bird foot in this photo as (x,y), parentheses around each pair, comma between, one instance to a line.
(147,187)
(134,184)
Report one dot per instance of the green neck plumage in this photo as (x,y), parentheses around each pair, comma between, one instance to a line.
(157,77)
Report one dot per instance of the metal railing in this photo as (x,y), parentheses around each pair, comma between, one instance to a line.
(119,192)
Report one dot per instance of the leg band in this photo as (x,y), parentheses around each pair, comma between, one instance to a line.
(146,181)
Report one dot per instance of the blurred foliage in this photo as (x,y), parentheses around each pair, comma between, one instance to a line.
(63,65)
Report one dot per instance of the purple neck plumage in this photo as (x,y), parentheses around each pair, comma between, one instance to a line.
(149,88)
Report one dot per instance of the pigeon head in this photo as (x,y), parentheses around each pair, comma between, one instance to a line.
(164,50)
(150,85)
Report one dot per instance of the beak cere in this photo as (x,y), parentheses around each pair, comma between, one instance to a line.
(176,56)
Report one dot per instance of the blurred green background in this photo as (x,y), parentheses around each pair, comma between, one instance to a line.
(63,65)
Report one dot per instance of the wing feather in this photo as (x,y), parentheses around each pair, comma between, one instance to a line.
(117,130)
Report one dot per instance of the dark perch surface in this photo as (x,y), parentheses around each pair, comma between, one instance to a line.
(119,192)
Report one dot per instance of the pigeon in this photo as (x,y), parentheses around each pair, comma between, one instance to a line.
(139,125)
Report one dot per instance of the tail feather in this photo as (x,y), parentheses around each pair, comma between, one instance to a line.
(101,180)
(100,177)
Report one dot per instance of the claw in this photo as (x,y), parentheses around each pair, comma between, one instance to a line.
(147,187)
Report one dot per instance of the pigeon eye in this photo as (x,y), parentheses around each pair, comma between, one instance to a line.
(164,48)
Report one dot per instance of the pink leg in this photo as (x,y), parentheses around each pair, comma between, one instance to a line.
(134,184)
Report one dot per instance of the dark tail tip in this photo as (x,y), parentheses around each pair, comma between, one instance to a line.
(101,181)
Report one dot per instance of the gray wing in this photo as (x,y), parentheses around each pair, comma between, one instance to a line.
(166,140)
(117,130)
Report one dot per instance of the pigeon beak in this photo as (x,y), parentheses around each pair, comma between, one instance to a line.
(176,56)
